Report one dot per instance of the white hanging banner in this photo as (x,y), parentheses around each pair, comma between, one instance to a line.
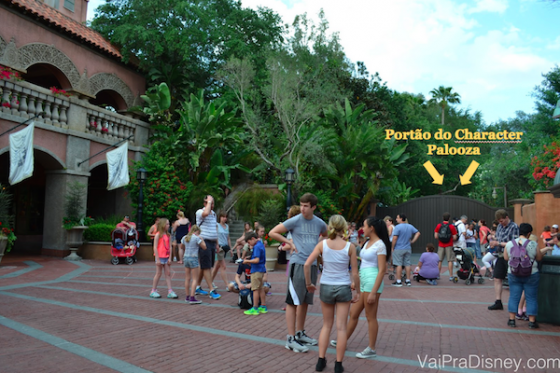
(21,154)
(117,165)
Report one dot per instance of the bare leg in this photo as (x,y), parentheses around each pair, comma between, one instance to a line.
(157,276)
(223,272)
(194,272)
(328,319)
(256,298)
(399,273)
(167,270)
(355,311)
(188,282)
(408,276)
(207,273)
(181,253)
(342,310)
(450,267)
(498,286)
(262,296)
(301,315)
(371,314)
(291,319)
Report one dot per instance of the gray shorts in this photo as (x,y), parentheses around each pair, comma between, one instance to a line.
(297,293)
(401,257)
(332,294)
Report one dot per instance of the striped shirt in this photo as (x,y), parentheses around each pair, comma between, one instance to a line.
(208,225)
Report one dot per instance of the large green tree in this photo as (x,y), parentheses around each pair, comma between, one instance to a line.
(184,42)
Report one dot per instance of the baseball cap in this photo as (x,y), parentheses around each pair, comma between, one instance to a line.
(555,226)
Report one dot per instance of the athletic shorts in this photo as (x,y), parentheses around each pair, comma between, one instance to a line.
(332,294)
(190,262)
(402,257)
(206,257)
(500,269)
(448,251)
(367,279)
(257,280)
(297,293)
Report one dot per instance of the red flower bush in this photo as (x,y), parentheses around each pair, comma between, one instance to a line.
(546,166)
(59,92)
(6,73)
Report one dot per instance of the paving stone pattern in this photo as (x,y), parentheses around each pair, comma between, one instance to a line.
(58,316)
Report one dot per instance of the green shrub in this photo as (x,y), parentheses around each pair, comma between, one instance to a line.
(111,220)
(99,232)
(272,212)
(249,204)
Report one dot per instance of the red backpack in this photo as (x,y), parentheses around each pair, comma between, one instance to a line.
(519,262)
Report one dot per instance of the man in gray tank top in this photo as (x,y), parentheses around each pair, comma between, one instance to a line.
(306,230)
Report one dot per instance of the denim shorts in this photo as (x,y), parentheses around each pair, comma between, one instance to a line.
(190,261)
(332,294)
(163,260)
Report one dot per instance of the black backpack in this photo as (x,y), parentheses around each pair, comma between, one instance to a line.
(445,234)
(245,299)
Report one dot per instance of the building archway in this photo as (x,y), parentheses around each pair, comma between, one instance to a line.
(111,82)
(109,100)
(28,206)
(46,76)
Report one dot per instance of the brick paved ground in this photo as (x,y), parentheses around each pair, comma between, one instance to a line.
(57,316)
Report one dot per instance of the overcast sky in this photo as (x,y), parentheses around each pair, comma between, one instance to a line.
(492,52)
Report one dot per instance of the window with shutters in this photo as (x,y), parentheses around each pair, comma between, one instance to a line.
(69,4)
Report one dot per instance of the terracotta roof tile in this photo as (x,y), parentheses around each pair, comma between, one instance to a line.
(66,24)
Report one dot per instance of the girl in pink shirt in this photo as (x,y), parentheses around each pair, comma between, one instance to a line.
(162,245)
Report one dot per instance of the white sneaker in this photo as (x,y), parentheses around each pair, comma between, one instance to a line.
(456,264)
(239,261)
(333,342)
(292,344)
(174,258)
(214,286)
(304,339)
(366,354)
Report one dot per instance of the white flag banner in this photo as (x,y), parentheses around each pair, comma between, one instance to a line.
(117,164)
(21,154)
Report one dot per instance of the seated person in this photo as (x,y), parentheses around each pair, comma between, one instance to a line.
(428,265)
(126,224)
(238,285)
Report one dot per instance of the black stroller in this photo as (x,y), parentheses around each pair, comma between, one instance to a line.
(469,270)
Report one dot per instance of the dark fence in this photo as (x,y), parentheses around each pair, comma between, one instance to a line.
(426,213)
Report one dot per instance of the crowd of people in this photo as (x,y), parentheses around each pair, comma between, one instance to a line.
(353,262)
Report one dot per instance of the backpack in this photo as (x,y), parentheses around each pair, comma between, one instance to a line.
(245,299)
(445,234)
(519,261)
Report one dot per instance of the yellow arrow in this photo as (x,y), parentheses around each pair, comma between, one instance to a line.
(438,179)
(466,178)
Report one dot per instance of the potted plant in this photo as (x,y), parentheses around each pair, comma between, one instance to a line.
(7,236)
(75,222)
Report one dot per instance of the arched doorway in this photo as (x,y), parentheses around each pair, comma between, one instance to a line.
(28,205)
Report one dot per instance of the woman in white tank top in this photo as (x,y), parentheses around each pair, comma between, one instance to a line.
(374,264)
(336,286)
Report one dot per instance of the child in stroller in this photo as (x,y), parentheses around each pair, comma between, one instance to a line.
(469,269)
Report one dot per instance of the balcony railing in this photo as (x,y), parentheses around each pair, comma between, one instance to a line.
(27,100)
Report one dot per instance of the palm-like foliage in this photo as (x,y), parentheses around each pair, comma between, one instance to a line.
(443,96)
(363,156)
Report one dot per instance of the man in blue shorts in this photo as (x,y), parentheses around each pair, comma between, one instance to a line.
(404,235)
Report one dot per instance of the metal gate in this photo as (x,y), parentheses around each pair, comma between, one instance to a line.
(425,213)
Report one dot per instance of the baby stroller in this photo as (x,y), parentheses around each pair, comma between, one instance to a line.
(468,270)
(124,245)
(393,274)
